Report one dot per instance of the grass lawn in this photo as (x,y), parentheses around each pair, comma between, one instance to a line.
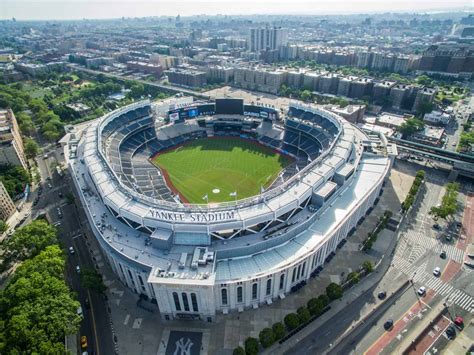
(223,163)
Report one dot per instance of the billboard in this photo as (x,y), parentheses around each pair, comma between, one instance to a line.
(174,116)
(230,106)
(267,113)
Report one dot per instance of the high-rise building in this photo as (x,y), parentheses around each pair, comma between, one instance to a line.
(7,207)
(267,38)
(11,143)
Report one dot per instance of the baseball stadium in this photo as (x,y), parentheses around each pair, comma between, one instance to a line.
(216,206)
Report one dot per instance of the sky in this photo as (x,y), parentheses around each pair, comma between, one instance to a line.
(79,9)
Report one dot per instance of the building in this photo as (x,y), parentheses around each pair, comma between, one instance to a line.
(193,264)
(437,118)
(148,68)
(423,95)
(186,77)
(11,143)
(352,113)
(399,94)
(220,74)
(381,91)
(7,207)
(430,135)
(391,120)
(361,87)
(267,38)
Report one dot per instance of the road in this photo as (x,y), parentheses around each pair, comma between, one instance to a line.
(168,88)
(71,229)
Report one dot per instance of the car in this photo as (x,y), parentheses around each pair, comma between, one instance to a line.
(83,342)
(87,303)
(451,332)
(79,311)
(437,226)
(71,250)
(50,186)
(388,324)
(78,269)
(442,255)
(45,156)
(448,238)
(381,295)
(459,321)
(421,291)
(60,194)
(437,271)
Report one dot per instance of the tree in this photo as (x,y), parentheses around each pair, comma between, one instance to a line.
(266,337)
(449,204)
(303,314)
(3,226)
(278,330)
(368,266)
(292,321)
(37,308)
(353,277)
(14,178)
(411,126)
(29,241)
(424,107)
(92,280)
(306,95)
(31,148)
(251,346)
(334,291)
(239,351)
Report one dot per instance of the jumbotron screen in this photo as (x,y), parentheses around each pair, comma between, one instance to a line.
(230,106)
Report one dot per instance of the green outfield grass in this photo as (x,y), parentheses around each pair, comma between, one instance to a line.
(224,163)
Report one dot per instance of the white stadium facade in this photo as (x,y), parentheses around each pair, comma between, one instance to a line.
(194,261)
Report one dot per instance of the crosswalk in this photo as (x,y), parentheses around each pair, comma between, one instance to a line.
(421,240)
(419,275)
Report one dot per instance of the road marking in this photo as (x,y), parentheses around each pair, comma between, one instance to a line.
(127,317)
(137,323)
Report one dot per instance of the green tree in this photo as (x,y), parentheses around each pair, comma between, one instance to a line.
(3,226)
(92,280)
(305,95)
(251,346)
(239,351)
(368,266)
(29,241)
(266,337)
(14,178)
(334,291)
(353,277)
(278,330)
(449,203)
(424,107)
(411,126)
(31,148)
(37,308)
(292,321)
(303,314)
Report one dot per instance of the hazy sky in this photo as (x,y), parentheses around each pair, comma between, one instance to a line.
(78,9)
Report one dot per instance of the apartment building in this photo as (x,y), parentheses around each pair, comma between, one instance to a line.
(11,143)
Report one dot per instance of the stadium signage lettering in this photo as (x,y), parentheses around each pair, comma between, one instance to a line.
(252,114)
(192,217)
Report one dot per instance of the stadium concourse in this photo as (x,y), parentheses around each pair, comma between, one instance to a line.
(194,260)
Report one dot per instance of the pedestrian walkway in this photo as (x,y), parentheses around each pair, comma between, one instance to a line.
(424,242)
(420,276)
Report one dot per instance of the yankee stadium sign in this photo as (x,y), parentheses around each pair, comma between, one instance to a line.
(200,217)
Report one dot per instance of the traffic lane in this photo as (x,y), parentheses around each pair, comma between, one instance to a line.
(396,311)
(402,325)
(351,341)
(321,338)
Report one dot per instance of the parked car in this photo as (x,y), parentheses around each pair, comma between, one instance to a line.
(87,303)
(442,255)
(437,226)
(71,250)
(388,324)
(79,311)
(78,269)
(422,290)
(437,271)
(382,295)
(451,332)
(459,321)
